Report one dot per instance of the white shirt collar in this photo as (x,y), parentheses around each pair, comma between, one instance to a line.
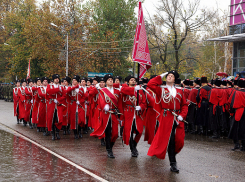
(110,89)
(172,90)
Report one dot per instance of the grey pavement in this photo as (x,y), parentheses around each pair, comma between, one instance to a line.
(201,159)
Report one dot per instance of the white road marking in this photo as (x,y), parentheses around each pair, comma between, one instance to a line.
(57,155)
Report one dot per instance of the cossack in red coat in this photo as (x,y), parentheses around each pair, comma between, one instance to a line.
(129,101)
(58,94)
(42,107)
(104,99)
(72,98)
(35,104)
(166,119)
(150,119)
(21,95)
(16,101)
(28,104)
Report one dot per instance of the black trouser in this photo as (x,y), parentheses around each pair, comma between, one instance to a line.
(108,142)
(55,120)
(132,143)
(171,145)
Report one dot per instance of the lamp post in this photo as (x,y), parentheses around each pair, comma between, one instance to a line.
(156,66)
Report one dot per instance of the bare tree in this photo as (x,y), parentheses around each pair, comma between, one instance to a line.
(176,20)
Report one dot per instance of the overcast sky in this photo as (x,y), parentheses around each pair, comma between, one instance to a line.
(212,4)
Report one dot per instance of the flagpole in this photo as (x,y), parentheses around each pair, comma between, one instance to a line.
(138,83)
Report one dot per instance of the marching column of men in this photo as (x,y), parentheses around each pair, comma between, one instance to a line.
(103,105)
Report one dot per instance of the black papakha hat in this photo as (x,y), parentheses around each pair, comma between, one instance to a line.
(175,73)
(76,77)
(186,82)
(55,76)
(107,76)
(67,78)
(23,80)
(45,78)
(118,77)
(217,82)
(204,79)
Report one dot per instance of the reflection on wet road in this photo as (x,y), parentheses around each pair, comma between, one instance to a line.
(202,159)
(23,161)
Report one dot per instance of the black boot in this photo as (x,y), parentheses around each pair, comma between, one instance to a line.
(53,135)
(110,153)
(30,125)
(135,145)
(215,134)
(132,148)
(243,146)
(192,130)
(200,132)
(64,130)
(57,134)
(68,129)
(237,146)
(102,141)
(75,134)
(85,129)
(46,133)
(38,129)
(80,132)
(24,122)
(173,167)
(18,121)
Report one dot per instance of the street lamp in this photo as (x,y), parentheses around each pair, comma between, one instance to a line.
(156,66)
(66,49)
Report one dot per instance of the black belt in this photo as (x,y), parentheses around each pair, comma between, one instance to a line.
(130,106)
(171,110)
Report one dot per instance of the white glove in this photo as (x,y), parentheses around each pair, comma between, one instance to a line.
(97,86)
(60,88)
(106,108)
(86,106)
(138,108)
(180,118)
(78,103)
(32,101)
(55,101)
(86,102)
(164,74)
(24,101)
(137,87)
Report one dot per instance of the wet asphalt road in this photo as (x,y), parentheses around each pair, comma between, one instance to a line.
(201,159)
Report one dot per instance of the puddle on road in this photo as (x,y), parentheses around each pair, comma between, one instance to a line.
(23,161)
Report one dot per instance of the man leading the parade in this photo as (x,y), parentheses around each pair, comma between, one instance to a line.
(171,111)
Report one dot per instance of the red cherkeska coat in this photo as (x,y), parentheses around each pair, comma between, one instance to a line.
(35,104)
(150,119)
(22,97)
(16,101)
(129,101)
(72,98)
(166,119)
(94,111)
(28,104)
(42,107)
(58,94)
(104,116)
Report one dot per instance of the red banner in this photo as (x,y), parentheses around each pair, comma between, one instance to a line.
(141,50)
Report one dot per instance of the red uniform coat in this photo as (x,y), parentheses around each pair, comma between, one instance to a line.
(187,92)
(94,111)
(72,98)
(21,95)
(129,101)
(16,101)
(66,109)
(192,96)
(35,104)
(28,104)
(58,94)
(166,119)
(104,116)
(150,119)
(42,108)
(218,97)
